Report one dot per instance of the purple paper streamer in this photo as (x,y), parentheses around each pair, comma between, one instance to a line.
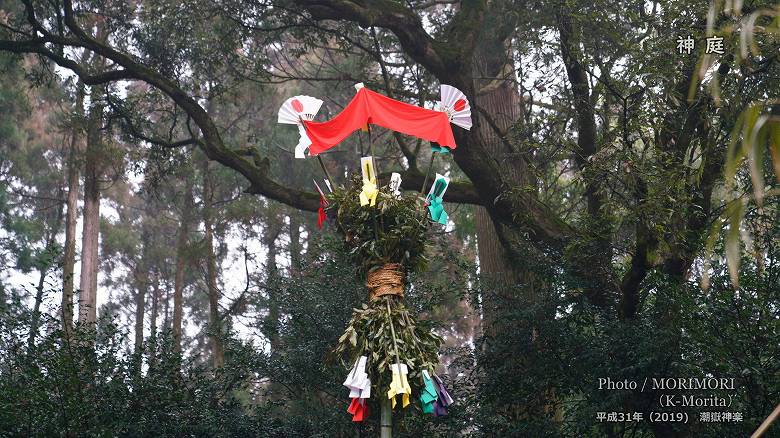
(444,396)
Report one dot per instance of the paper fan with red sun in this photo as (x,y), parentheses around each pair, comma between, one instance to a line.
(299,107)
(456,105)
(293,111)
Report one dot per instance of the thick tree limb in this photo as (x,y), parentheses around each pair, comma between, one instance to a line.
(447,59)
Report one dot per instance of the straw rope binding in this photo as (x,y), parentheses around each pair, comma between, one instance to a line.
(385,280)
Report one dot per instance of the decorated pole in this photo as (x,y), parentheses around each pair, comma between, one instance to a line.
(389,354)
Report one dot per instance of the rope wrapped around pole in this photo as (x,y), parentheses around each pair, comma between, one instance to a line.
(385,280)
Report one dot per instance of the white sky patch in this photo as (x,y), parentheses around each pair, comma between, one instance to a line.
(234,270)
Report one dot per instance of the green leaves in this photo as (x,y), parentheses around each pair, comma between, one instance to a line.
(394,231)
(756,130)
(353,339)
(369,334)
(735,213)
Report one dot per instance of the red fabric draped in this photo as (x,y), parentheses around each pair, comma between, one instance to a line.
(376,109)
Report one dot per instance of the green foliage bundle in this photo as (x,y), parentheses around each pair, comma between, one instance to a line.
(392,231)
(370,334)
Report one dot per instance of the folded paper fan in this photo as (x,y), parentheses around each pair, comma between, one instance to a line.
(298,107)
(293,111)
(456,105)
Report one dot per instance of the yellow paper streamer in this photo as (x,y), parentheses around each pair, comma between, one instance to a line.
(399,385)
(368,195)
(370,190)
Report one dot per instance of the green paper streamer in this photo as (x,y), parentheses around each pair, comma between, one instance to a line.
(435,206)
(440,149)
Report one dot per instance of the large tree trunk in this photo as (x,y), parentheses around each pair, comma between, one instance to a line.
(215,323)
(181,262)
(91,232)
(512,281)
(500,100)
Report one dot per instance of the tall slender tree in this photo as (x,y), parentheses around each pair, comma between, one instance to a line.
(215,319)
(71,218)
(182,255)
(90,234)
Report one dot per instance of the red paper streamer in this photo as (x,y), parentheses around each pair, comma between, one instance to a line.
(321,216)
(370,107)
(359,409)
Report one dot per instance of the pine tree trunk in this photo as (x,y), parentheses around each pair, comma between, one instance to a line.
(69,251)
(91,232)
(181,262)
(215,324)
(140,305)
(167,306)
(36,313)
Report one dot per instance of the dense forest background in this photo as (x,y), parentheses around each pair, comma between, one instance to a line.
(614,213)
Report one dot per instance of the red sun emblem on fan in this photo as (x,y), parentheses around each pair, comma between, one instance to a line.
(297,105)
(460,105)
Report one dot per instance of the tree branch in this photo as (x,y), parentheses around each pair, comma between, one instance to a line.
(444,59)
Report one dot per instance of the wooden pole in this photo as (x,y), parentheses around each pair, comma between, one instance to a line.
(385,418)
(427,174)
(370,140)
(386,413)
(765,425)
(327,174)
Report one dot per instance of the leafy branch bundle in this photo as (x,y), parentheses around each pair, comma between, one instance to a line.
(394,231)
(369,334)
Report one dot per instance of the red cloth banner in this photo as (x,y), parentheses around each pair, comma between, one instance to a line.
(376,109)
